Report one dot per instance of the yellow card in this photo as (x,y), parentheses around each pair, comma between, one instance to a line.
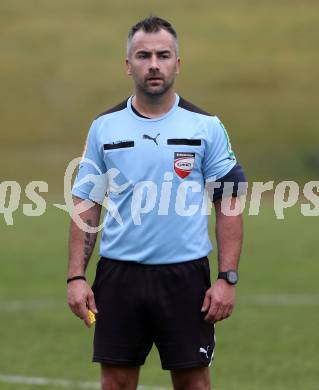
(91,317)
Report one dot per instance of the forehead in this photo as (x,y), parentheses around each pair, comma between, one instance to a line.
(161,40)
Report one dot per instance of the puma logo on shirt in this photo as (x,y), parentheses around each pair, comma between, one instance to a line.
(146,136)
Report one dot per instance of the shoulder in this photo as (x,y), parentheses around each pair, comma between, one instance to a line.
(101,121)
(118,107)
(206,120)
(189,106)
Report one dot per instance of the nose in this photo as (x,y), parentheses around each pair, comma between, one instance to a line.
(153,63)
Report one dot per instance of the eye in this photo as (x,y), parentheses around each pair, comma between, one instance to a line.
(141,55)
(164,55)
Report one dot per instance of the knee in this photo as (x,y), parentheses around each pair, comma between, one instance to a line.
(113,383)
(198,385)
(118,379)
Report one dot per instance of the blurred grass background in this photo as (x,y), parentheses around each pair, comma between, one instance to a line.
(255,65)
(269,343)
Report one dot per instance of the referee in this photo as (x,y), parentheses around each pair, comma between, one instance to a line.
(156,153)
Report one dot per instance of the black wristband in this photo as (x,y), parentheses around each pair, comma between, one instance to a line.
(79,277)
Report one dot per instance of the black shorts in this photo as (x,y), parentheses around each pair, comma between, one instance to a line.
(141,304)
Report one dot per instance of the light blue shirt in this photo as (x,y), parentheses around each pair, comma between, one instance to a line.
(154,173)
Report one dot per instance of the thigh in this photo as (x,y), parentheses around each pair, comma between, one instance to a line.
(191,379)
(122,335)
(184,340)
(119,378)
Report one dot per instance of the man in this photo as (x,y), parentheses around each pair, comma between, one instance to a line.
(152,282)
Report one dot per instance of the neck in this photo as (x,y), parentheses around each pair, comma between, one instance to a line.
(153,106)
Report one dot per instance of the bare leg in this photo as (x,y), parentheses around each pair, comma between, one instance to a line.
(119,377)
(191,379)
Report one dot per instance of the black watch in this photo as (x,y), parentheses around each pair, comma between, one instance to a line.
(230,276)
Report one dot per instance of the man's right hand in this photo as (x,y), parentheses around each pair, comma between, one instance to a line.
(81,299)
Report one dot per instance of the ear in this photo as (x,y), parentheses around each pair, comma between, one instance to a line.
(128,66)
(178,65)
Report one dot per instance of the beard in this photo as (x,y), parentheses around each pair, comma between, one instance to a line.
(155,90)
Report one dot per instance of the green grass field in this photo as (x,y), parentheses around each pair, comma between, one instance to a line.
(255,64)
(270,342)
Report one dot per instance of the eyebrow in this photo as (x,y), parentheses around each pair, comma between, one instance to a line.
(144,51)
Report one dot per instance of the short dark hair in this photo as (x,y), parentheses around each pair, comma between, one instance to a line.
(152,24)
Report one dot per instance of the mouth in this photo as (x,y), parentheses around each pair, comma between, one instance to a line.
(154,79)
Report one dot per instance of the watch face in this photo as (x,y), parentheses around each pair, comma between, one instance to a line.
(232,277)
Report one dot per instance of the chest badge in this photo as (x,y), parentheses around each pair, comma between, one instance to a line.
(183,163)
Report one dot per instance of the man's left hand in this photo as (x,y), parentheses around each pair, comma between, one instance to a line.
(219,301)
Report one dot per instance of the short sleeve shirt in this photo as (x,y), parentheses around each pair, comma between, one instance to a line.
(153,173)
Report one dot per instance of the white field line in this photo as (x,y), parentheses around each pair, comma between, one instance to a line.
(31,304)
(280,300)
(67,384)
(252,300)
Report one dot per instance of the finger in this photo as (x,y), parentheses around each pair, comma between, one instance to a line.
(210,316)
(81,311)
(215,302)
(91,303)
(86,318)
(76,308)
(227,312)
(206,303)
(83,315)
(219,313)
(87,321)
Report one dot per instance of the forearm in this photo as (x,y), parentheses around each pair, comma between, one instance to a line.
(229,236)
(81,243)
